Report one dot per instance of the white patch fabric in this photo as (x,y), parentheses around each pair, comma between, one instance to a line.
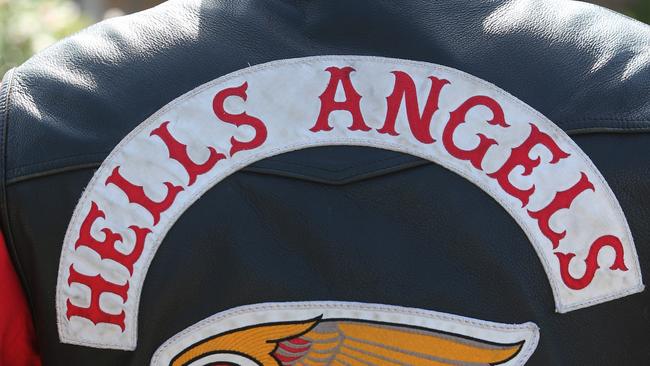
(516,155)
(334,333)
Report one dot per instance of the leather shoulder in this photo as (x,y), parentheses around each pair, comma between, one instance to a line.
(584,67)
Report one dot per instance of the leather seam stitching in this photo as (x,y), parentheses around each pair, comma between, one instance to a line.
(19,178)
(571,132)
(5,97)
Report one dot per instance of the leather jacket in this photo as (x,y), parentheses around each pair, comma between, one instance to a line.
(321,223)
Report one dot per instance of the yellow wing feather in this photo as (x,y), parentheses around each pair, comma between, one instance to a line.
(353,343)
(378,344)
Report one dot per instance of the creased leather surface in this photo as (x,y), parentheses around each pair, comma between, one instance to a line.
(357,225)
(582,66)
(423,237)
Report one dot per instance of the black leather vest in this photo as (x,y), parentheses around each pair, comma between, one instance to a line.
(335,223)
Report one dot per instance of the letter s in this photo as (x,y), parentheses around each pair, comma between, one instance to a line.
(241,119)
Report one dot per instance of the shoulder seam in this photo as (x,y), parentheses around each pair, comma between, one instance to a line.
(96,163)
(5,95)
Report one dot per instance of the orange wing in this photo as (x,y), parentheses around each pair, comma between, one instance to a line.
(350,343)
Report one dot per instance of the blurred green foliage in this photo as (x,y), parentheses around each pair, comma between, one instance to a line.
(641,11)
(28,26)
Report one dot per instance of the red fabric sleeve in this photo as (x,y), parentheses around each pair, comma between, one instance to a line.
(17,339)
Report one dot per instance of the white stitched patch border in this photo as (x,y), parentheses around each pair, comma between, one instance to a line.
(166,163)
(282,312)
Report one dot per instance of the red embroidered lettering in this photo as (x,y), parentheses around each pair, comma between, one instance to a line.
(591,262)
(178,152)
(351,103)
(136,194)
(457,117)
(97,285)
(561,200)
(106,248)
(241,119)
(419,123)
(520,157)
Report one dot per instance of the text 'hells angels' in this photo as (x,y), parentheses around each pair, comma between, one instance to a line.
(403,95)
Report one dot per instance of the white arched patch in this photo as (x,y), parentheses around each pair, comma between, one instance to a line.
(335,333)
(523,160)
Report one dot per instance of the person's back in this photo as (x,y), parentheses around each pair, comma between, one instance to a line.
(334,183)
